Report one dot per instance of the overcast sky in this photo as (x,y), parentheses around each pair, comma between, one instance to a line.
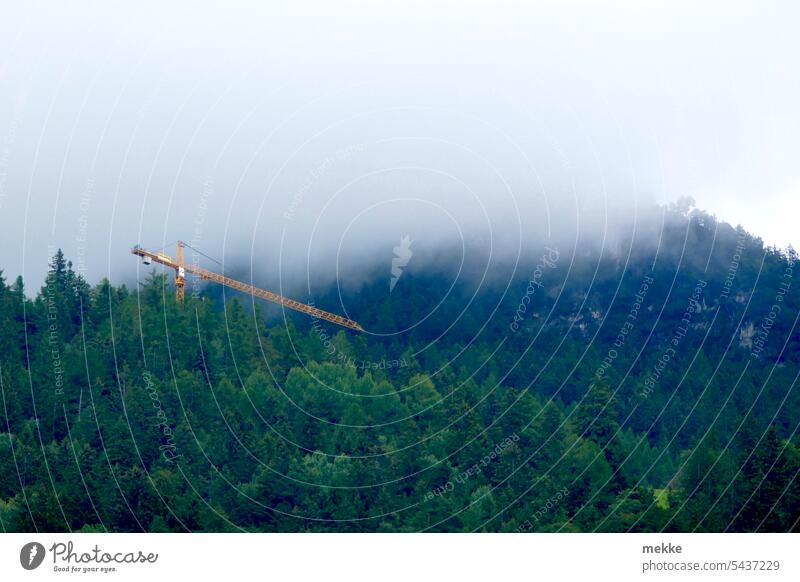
(321,133)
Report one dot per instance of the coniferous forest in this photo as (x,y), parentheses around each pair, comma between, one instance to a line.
(652,388)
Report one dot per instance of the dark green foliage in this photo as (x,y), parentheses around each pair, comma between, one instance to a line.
(123,411)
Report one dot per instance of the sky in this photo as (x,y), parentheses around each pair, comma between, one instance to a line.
(305,137)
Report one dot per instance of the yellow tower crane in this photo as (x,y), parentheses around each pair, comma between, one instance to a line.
(180,282)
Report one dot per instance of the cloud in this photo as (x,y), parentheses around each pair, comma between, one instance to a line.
(307,139)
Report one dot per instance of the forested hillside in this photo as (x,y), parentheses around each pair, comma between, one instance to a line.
(645,389)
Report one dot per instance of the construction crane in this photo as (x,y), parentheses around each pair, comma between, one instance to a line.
(180,282)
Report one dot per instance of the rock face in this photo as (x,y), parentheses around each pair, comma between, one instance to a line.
(746,334)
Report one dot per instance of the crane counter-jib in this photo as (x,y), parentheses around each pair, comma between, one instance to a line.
(180,273)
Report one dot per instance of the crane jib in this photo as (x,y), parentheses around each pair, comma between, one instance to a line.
(181,269)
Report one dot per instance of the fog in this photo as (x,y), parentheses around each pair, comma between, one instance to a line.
(308,140)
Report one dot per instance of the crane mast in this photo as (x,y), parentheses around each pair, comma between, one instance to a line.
(180,282)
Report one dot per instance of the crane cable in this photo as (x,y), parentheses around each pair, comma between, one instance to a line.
(201,253)
(184,243)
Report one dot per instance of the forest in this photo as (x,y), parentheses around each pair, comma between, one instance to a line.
(646,388)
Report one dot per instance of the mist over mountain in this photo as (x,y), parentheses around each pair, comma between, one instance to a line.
(286,151)
(536,264)
(644,387)
(493,260)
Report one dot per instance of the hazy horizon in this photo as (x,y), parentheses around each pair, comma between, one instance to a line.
(290,143)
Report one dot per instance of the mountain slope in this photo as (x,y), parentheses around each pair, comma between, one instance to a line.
(647,388)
